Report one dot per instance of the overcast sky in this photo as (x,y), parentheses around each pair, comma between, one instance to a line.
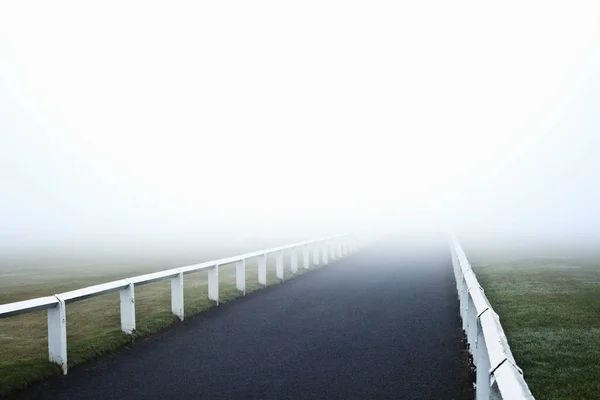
(123,120)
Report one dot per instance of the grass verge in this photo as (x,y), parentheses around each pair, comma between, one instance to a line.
(93,325)
(550,310)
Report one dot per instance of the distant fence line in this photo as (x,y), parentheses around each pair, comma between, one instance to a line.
(324,248)
(497,375)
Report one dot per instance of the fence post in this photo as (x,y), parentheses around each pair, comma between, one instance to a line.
(455,266)
(482,378)
(213,283)
(325,253)
(333,249)
(240,276)
(177,296)
(279,265)
(315,248)
(127,297)
(472,327)
(294,260)
(464,302)
(262,270)
(305,257)
(57,335)
(457,269)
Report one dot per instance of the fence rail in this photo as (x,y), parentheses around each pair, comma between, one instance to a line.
(497,374)
(322,249)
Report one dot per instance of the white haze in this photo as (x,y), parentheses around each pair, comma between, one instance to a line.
(167,122)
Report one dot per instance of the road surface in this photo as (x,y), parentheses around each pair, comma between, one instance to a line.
(380,324)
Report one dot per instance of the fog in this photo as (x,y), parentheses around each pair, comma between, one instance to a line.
(136,124)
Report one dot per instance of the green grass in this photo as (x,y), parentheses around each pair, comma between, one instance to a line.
(93,325)
(550,310)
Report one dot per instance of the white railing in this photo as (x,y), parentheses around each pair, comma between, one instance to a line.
(497,374)
(333,246)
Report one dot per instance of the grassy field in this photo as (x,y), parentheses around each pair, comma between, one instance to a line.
(93,325)
(550,309)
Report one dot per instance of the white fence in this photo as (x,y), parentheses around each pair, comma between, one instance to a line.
(497,375)
(333,246)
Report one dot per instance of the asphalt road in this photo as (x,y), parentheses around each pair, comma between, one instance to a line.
(380,324)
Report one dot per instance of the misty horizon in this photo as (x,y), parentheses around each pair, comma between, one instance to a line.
(204,125)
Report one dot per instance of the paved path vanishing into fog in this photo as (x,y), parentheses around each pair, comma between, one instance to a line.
(382,323)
